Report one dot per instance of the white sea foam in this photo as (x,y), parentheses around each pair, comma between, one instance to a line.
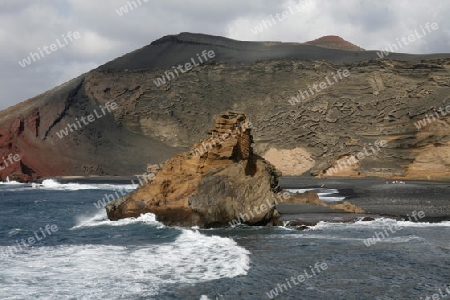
(107,272)
(101,219)
(326,195)
(299,190)
(14,231)
(51,184)
(390,239)
(10,183)
(379,223)
(326,198)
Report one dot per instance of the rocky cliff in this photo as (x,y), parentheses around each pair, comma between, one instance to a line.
(334,120)
(218,182)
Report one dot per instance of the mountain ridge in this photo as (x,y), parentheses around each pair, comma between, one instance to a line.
(170,50)
(257,78)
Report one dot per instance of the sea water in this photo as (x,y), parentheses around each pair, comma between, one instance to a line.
(90,257)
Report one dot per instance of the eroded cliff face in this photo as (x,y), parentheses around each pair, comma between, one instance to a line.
(379,100)
(14,162)
(35,130)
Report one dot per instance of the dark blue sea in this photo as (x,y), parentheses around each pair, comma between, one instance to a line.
(56,244)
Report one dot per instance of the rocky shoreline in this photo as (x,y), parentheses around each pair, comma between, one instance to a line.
(362,192)
(381,197)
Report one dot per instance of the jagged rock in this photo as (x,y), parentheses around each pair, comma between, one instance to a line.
(211,185)
(219,182)
(215,182)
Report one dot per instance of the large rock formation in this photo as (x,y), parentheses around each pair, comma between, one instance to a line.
(382,99)
(210,185)
(219,180)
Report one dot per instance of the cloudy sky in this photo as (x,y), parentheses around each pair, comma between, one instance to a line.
(104,34)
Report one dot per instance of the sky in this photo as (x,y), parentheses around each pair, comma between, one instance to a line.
(80,35)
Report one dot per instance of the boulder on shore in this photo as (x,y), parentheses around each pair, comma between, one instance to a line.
(219,182)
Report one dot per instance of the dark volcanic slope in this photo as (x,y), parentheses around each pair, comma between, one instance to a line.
(103,147)
(178,49)
(380,100)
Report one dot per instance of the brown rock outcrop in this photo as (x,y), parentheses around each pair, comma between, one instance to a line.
(219,180)
(209,186)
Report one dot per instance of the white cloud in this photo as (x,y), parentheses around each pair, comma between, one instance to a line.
(27,25)
(91,43)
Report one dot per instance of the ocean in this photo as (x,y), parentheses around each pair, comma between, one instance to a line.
(56,244)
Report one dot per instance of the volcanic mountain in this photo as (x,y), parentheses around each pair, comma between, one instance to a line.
(334,42)
(74,130)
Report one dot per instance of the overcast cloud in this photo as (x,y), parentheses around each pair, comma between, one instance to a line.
(26,25)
